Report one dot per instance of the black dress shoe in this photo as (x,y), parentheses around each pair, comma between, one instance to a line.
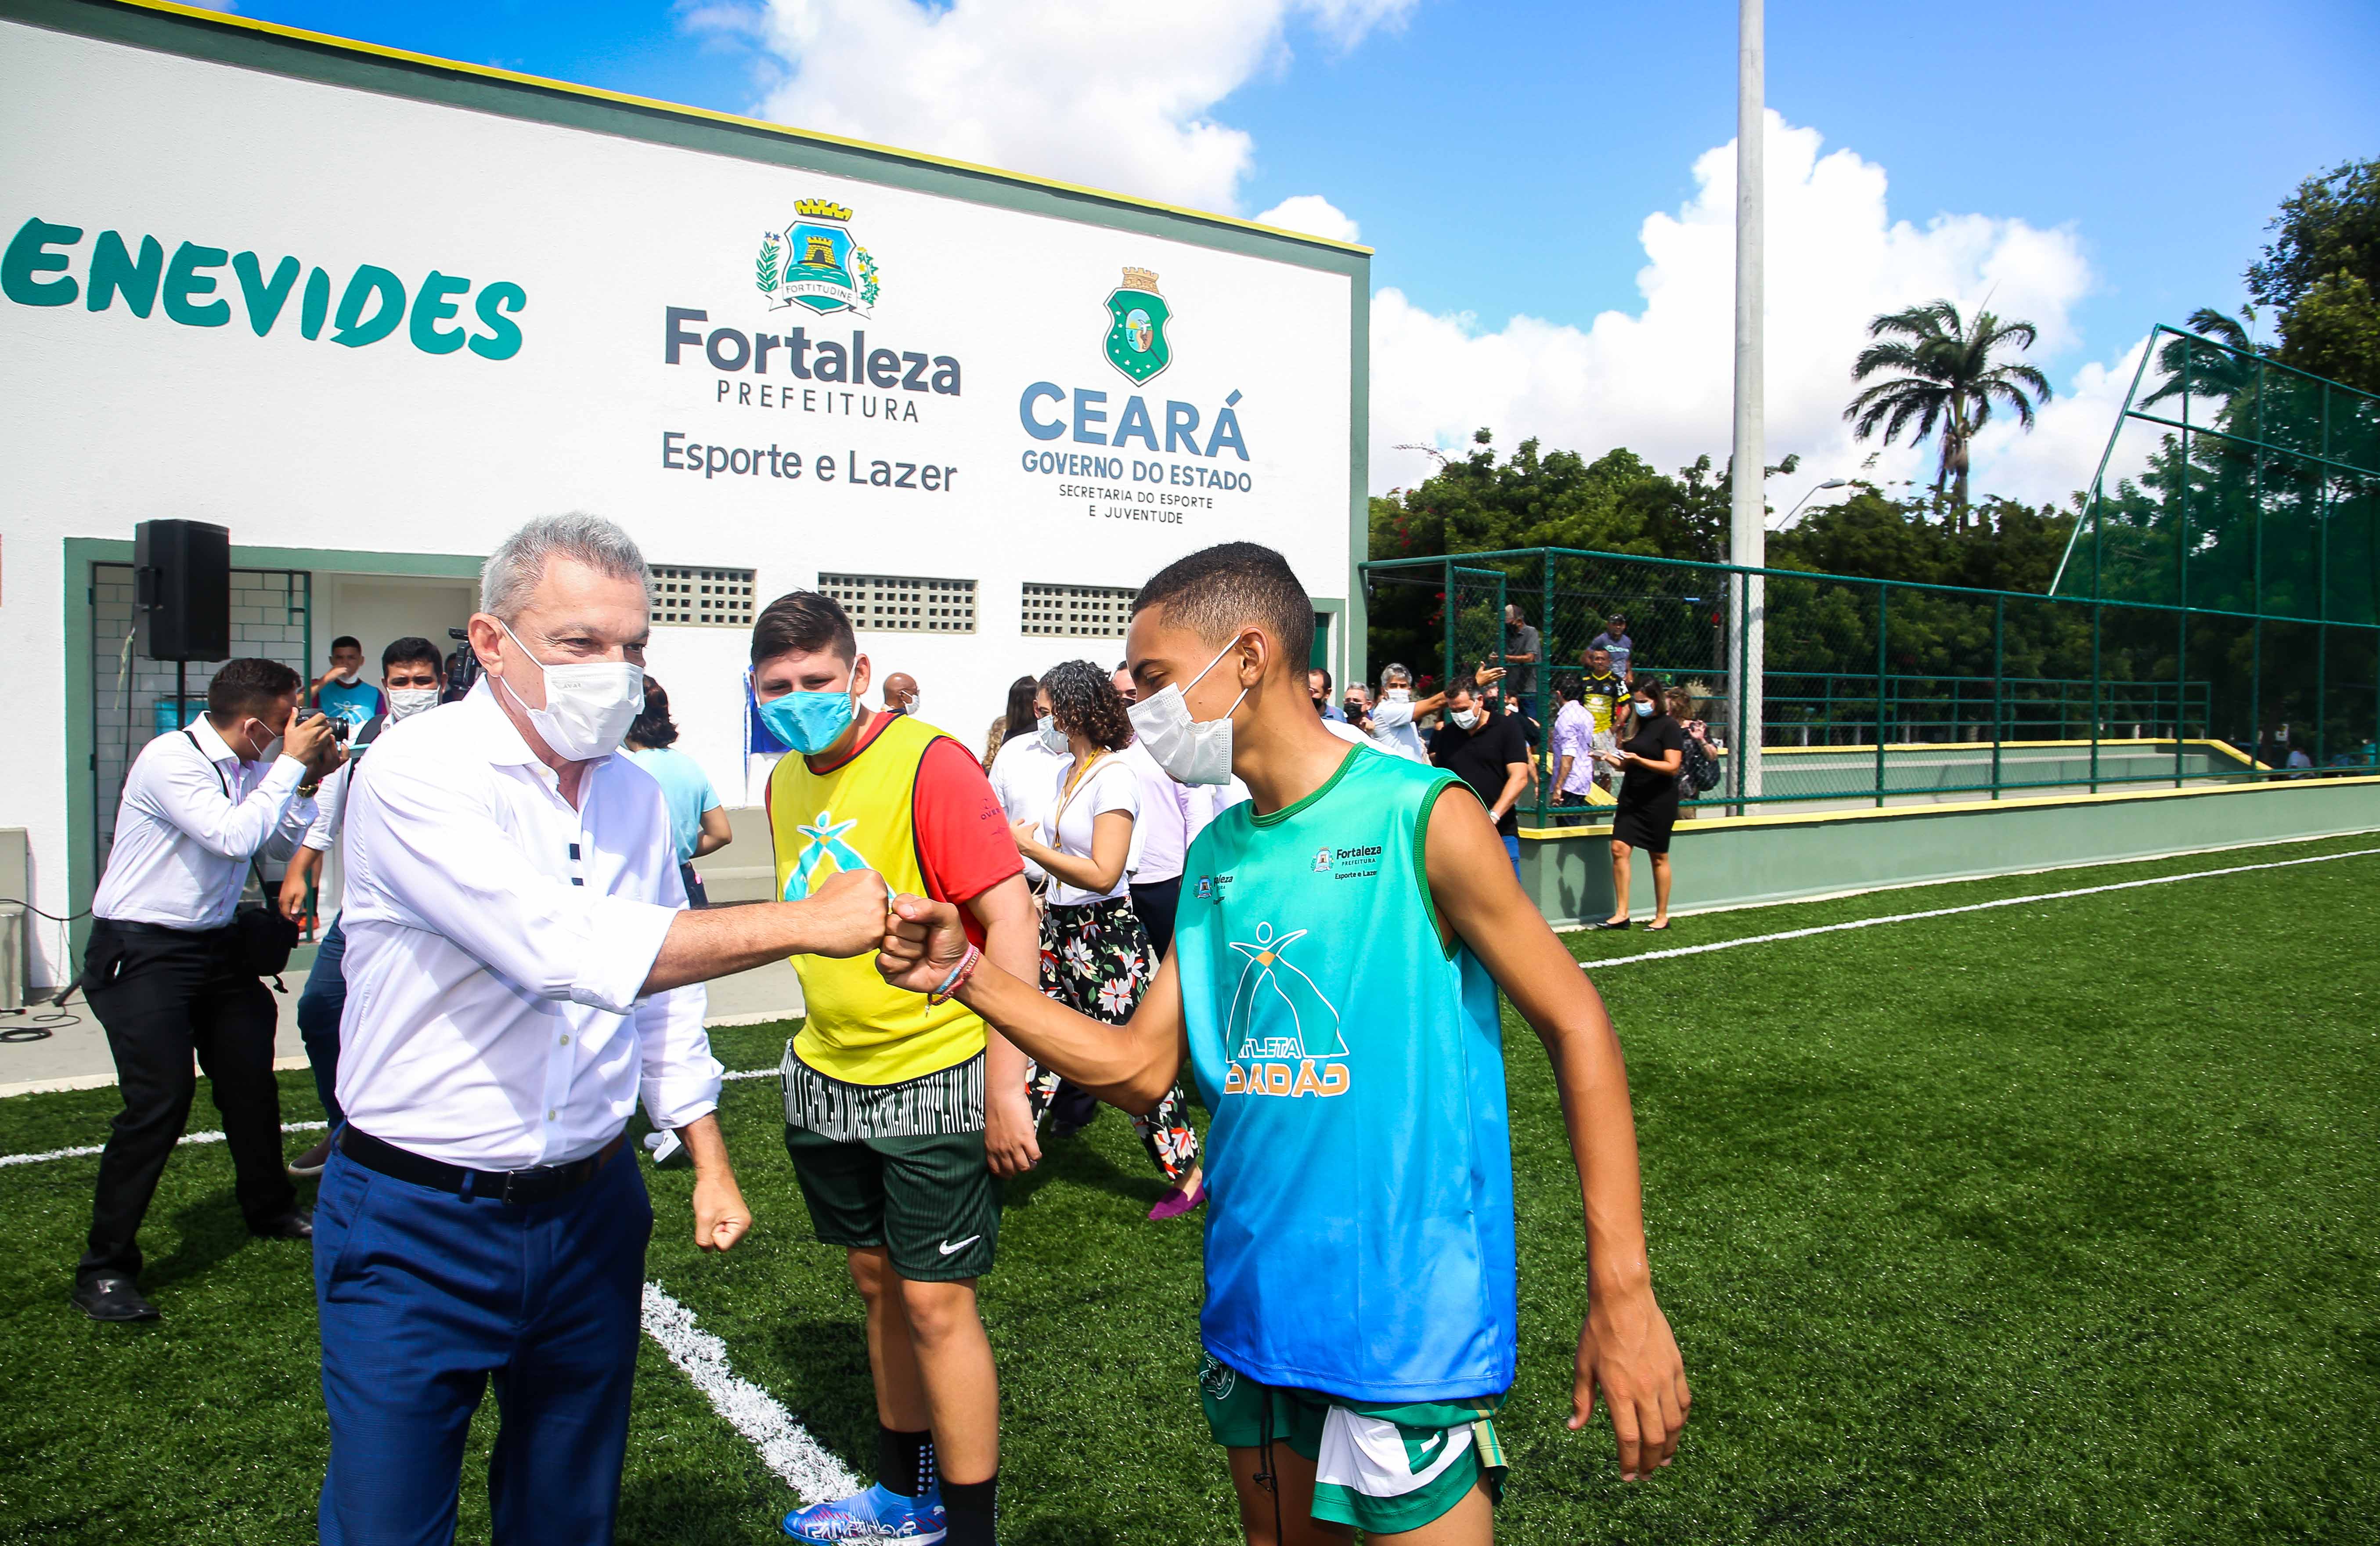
(113,1299)
(295,1225)
(1613,923)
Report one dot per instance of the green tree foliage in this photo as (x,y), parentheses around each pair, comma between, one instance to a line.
(2321,275)
(1946,383)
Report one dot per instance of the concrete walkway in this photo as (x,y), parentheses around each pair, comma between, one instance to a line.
(75,1056)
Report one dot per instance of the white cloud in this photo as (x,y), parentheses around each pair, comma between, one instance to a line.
(1659,380)
(1113,93)
(1313,215)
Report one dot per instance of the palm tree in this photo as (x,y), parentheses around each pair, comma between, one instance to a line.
(2226,373)
(1948,384)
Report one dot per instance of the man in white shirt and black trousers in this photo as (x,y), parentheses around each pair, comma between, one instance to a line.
(164,974)
(520,967)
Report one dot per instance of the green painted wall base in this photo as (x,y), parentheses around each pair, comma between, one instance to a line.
(1781,859)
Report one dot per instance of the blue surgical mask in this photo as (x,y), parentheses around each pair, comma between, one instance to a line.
(808,722)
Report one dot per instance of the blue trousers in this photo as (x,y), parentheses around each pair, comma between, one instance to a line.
(1512,852)
(423,1298)
(319,1004)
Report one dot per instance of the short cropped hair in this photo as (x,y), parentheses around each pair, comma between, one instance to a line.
(1324,671)
(410,651)
(512,573)
(1083,698)
(807,621)
(249,686)
(346,641)
(1219,589)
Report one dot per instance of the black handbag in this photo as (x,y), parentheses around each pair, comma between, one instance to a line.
(261,938)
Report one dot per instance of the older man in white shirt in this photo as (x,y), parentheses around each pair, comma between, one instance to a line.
(166,973)
(520,967)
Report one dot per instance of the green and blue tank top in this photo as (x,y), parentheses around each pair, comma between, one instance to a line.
(1359,1224)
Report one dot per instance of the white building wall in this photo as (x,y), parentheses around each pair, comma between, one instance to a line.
(387,447)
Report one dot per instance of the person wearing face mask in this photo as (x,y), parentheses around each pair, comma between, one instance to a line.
(1334,983)
(523,971)
(1391,721)
(902,1112)
(1095,953)
(163,972)
(341,692)
(414,678)
(1649,763)
(901,693)
(1023,770)
(1487,749)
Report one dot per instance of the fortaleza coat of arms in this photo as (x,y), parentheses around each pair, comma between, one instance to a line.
(1137,318)
(814,262)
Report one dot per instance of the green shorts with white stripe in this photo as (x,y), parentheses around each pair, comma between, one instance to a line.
(1379,1468)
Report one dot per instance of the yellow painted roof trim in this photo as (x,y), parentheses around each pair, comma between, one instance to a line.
(655,104)
(1817,818)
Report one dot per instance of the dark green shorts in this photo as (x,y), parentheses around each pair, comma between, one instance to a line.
(930,1200)
(1379,1468)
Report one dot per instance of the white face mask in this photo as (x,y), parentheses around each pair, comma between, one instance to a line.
(406,702)
(1399,695)
(587,708)
(345,678)
(1190,751)
(1467,718)
(1053,740)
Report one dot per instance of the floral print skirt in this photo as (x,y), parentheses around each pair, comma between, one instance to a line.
(1096,959)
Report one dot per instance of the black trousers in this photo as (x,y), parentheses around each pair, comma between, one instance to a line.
(1155,903)
(161,998)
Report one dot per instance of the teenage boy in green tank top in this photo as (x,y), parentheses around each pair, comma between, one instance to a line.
(1223,635)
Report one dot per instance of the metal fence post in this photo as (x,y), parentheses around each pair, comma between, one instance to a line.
(1883,627)
(1999,628)
(2096,608)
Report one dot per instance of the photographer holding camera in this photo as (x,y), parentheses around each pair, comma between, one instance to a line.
(173,965)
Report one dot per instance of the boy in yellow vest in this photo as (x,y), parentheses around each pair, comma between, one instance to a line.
(900,1112)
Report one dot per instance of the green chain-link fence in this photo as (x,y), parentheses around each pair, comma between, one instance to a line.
(1878,693)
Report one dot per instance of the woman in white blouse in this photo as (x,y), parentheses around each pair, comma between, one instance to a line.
(1096,956)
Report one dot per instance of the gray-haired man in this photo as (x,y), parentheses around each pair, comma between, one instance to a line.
(520,968)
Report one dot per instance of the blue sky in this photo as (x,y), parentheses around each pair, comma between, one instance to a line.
(1504,158)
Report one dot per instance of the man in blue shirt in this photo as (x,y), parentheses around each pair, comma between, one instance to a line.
(341,692)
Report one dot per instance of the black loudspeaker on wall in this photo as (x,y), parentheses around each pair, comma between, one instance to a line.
(182,589)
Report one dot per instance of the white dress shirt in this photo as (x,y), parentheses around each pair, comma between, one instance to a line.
(497,941)
(1162,829)
(182,844)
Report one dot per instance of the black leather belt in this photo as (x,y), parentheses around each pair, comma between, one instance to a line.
(518,1188)
(128,926)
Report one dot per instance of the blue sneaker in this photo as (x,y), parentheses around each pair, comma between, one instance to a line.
(875,1515)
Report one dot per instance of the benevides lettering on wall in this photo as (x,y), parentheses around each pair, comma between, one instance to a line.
(826,359)
(38,270)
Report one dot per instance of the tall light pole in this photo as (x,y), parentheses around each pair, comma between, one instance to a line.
(1747,654)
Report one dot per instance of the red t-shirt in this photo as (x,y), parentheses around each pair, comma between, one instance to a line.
(964,844)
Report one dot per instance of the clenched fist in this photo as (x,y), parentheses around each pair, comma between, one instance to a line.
(846,914)
(922,941)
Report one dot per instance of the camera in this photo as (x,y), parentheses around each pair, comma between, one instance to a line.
(462,666)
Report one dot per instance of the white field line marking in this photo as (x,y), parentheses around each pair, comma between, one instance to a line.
(80,1151)
(1970,907)
(786,1446)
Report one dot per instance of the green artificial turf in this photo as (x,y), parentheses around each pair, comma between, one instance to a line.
(2053,1222)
